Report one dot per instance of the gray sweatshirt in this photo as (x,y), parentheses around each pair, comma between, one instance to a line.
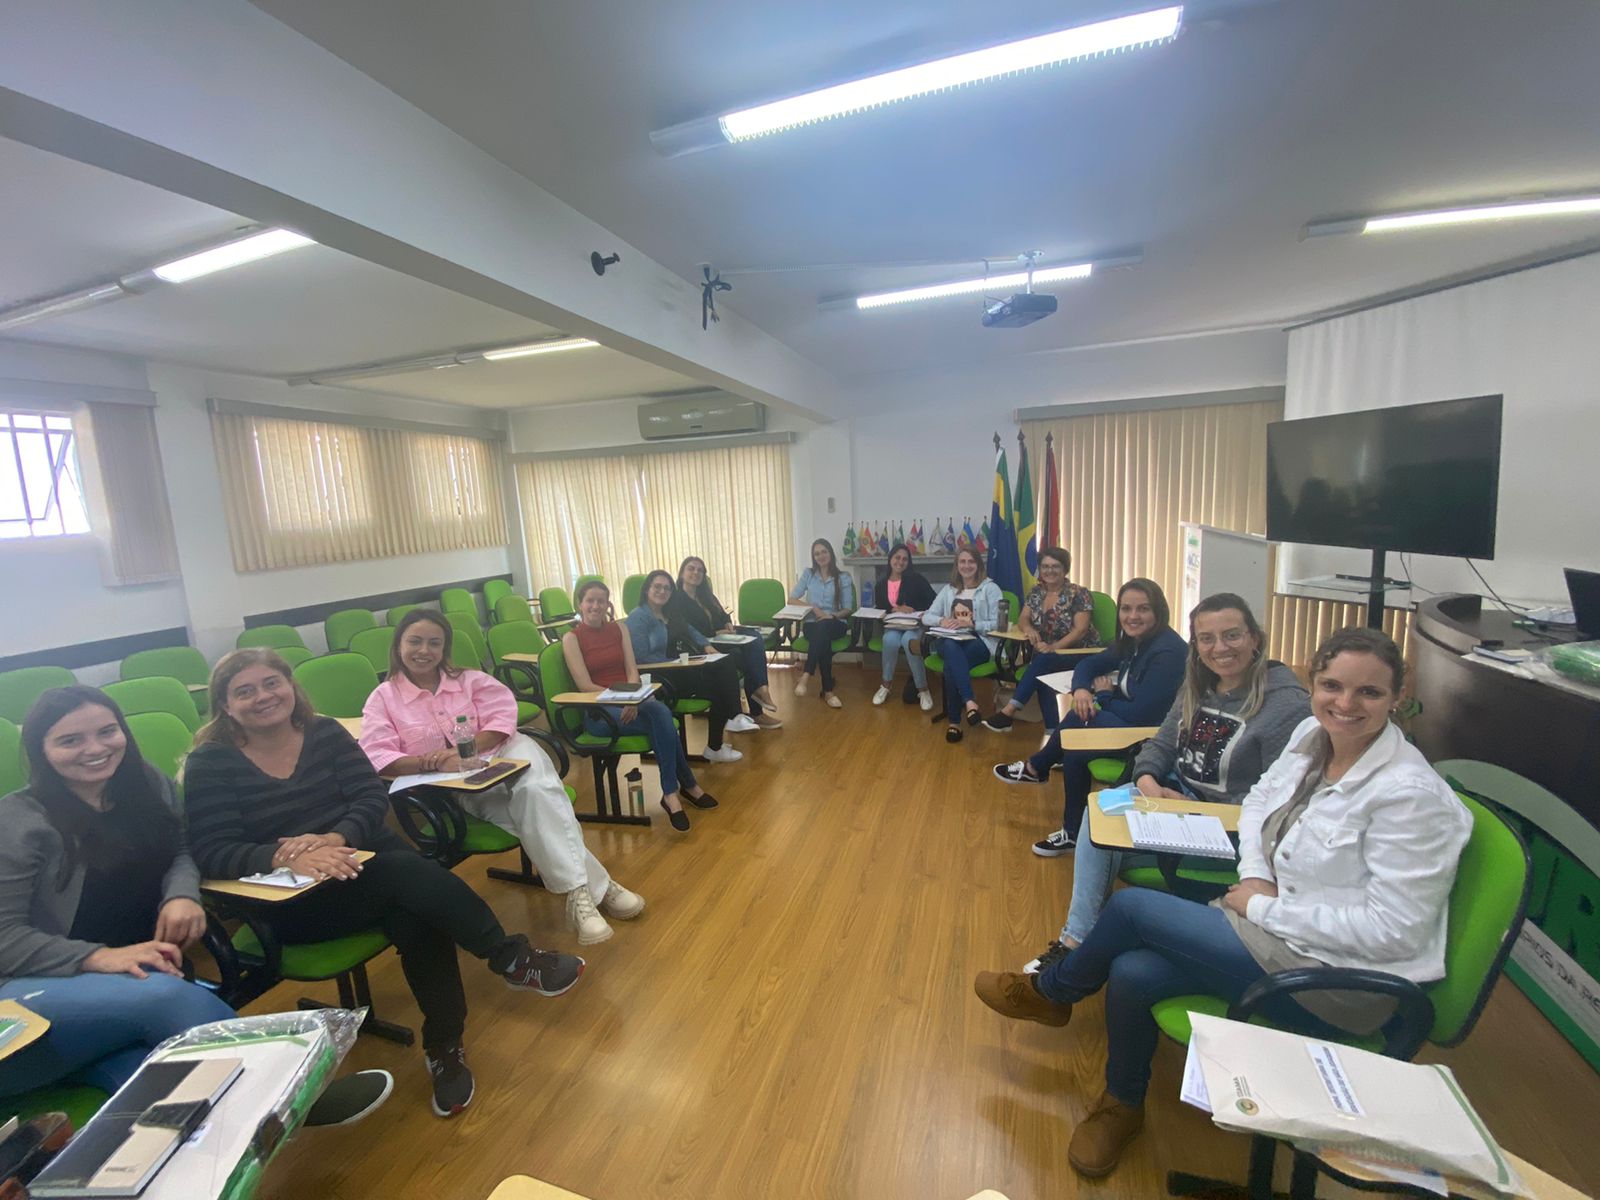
(35,915)
(1221,755)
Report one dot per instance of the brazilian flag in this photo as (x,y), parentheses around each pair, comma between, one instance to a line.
(1025,515)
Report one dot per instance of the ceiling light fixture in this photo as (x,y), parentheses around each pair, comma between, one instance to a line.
(438,362)
(995,284)
(959,70)
(1500,210)
(235,251)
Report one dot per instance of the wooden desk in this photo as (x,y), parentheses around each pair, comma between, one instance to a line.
(525,1187)
(33,1026)
(263,893)
(352,726)
(556,624)
(594,697)
(695,660)
(461,785)
(1109,740)
(1111,832)
(530,659)
(197,688)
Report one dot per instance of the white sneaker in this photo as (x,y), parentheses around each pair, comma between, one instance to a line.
(882,694)
(585,918)
(925,699)
(741,724)
(620,903)
(800,686)
(723,754)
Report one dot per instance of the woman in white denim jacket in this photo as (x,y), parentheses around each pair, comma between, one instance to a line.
(1348,852)
(968,604)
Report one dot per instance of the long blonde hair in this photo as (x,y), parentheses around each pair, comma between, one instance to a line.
(223,729)
(1200,680)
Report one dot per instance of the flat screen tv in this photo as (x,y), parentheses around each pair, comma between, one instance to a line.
(1419,479)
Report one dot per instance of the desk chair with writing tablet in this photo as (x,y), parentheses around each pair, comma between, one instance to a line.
(494,590)
(632,592)
(184,663)
(603,750)
(373,645)
(759,600)
(341,626)
(511,608)
(338,684)
(556,614)
(1485,913)
(521,638)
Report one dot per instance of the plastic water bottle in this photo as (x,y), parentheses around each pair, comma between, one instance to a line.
(635,792)
(866,594)
(465,746)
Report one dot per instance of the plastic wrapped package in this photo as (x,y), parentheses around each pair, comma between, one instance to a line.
(1576,660)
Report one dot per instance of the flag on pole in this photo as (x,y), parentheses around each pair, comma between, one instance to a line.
(1026,519)
(964,537)
(981,543)
(949,542)
(1051,535)
(1004,567)
(850,539)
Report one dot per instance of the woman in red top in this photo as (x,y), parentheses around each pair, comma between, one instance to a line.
(600,655)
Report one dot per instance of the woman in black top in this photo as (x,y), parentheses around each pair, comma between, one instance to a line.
(901,588)
(270,784)
(695,604)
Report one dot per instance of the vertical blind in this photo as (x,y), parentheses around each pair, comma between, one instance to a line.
(140,545)
(297,492)
(625,514)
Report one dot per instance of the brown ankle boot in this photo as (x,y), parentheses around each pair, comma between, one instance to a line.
(1012,994)
(1102,1136)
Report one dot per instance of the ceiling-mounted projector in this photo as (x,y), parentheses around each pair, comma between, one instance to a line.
(1022,309)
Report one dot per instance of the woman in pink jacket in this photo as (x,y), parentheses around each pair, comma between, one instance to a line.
(411,724)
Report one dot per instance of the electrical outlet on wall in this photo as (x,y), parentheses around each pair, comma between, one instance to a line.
(830,503)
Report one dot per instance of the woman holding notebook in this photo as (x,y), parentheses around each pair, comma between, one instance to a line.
(963,617)
(694,606)
(903,591)
(414,722)
(599,654)
(658,637)
(1348,847)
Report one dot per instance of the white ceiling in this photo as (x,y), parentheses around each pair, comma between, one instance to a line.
(68,224)
(1211,152)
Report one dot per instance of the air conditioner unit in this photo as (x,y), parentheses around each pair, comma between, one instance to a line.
(700,414)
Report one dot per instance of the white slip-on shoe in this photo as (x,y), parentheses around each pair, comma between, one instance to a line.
(925,699)
(882,694)
(723,754)
(741,724)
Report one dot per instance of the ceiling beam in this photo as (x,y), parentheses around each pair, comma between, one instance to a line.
(221,103)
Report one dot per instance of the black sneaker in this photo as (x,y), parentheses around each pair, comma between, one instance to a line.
(348,1100)
(1053,954)
(953,734)
(1014,772)
(908,694)
(452,1081)
(1058,843)
(998,722)
(542,971)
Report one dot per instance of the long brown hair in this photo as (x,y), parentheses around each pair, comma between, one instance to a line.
(703,595)
(955,569)
(833,570)
(222,728)
(1358,640)
(1200,680)
(435,617)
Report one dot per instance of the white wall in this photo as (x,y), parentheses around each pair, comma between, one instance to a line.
(1530,336)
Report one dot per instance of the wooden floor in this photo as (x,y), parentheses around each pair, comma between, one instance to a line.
(793,1015)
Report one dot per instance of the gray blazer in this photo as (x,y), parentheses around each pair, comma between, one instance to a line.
(35,915)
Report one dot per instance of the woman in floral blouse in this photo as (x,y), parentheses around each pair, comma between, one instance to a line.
(1055,617)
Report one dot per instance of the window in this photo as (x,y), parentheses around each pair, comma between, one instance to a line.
(41,486)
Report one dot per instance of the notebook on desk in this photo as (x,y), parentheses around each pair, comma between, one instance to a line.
(1180,833)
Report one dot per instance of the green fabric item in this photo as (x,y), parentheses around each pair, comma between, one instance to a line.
(273,637)
(1107,770)
(687,707)
(373,645)
(1151,877)
(482,837)
(310,961)
(759,600)
(155,693)
(493,591)
(627,744)
(20,688)
(12,773)
(338,684)
(468,646)
(554,603)
(294,655)
(162,738)
(458,600)
(512,608)
(572,792)
(527,712)
(77,1101)
(343,625)
(1104,617)
(632,590)
(184,663)
(392,617)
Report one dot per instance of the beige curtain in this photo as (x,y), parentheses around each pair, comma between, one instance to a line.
(625,514)
(140,546)
(1299,623)
(1129,478)
(301,492)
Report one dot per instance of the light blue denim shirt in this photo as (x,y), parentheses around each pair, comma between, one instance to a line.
(985,610)
(651,642)
(814,589)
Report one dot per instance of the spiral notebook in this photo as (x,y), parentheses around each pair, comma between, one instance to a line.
(1180,833)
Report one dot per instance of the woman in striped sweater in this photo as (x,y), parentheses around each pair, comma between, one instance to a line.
(270,784)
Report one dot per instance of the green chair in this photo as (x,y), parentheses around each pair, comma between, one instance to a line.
(759,602)
(162,738)
(271,637)
(78,1101)
(458,600)
(1104,618)
(13,773)
(468,633)
(155,693)
(603,750)
(20,688)
(338,684)
(392,617)
(184,663)
(512,608)
(373,645)
(494,590)
(257,960)
(295,655)
(556,614)
(343,625)
(578,583)
(518,637)
(632,592)
(935,662)
(1486,909)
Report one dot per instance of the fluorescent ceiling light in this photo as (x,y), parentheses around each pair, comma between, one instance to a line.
(551,346)
(1011,58)
(231,254)
(1501,210)
(966,287)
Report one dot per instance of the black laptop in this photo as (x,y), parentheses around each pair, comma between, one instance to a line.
(1583,588)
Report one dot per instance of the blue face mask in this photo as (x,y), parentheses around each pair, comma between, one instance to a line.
(1117,800)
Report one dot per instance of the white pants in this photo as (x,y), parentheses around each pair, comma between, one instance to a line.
(535,808)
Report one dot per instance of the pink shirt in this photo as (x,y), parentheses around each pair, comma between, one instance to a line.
(400,719)
(894,591)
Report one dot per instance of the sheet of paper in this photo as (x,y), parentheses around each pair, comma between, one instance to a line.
(283,877)
(793,612)
(871,613)
(951,635)
(629,692)
(1057,681)
(426,777)
(1194,1090)
(1394,1172)
(732,639)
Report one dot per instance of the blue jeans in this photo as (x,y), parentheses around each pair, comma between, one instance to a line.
(959,659)
(896,640)
(1076,781)
(101,1026)
(1042,663)
(656,723)
(752,660)
(1150,946)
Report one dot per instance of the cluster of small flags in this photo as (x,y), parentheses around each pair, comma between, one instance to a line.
(874,539)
